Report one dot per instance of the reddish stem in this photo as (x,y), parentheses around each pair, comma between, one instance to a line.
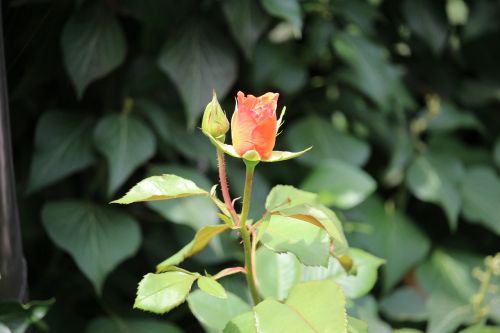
(225,188)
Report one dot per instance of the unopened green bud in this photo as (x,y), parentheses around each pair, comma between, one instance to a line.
(214,121)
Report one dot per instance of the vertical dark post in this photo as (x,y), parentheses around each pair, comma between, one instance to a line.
(12,263)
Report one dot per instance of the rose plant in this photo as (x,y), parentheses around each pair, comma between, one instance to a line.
(297,234)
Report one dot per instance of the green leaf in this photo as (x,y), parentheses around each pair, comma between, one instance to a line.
(481,195)
(308,242)
(170,131)
(305,206)
(285,196)
(328,143)
(404,304)
(61,148)
(428,23)
(481,329)
(446,272)
(288,10)
(366,309)
(273,316)
(369,71)
(339,184)
(200,241)
(244,323)
(17,317)
(447,313)
(246,22)
(160,293)
(355,325)
(93,45)
(450,118)
(198,61)
(214,313)
(162,187)
(195,211)
(457,11)
(390,231)
(211,287)
(407,330)
(119,325)
(278,66)
(481,20)
(98,238)
(126,143)
(316,306)
(278,156)
(277,273)
(356,283)
(496,152)
(436,178)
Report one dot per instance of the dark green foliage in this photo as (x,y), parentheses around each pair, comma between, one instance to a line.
(400,100)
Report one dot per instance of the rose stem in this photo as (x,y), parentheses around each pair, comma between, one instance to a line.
(224,186)
(247,195)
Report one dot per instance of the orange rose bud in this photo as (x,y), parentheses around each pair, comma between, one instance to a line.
(254,124)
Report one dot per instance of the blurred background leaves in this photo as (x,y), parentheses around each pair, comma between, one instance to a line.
(399,99)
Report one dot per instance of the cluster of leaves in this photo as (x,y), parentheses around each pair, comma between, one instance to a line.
(398,99)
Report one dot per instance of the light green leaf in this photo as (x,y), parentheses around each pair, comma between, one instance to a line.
(321,217)
(195,211)
(272,316)
(339,184)
(356,283)
(198,61)
(246,22)
(211,287)
(61,148)
(316,306)
(285,196)
(289,201)
(126,143)
(160,293)
(436,178)
(426,20)
(93,45)
(481,195)
(118,325)
(481,329)
(308,242)
(200,241)
(328,143)
(244,323)
(404,304)
(98,238)
(17,317)
(288,10)
(322,303)
(457,11)
(447,313)
(278,156)
(214,313)
(355,325)
(276,273)
(390,232)
(162,187)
